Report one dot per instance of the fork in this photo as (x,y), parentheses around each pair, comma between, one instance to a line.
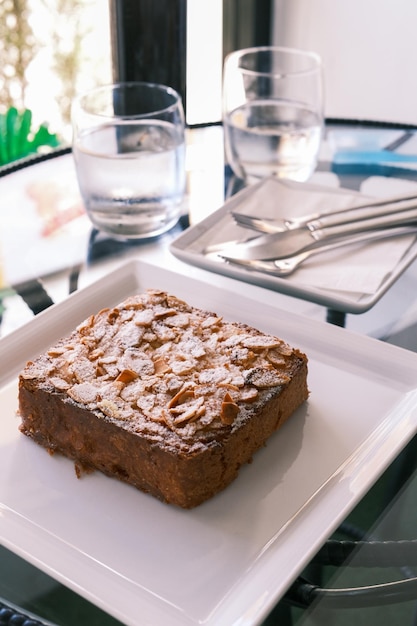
(318,220)
(286,266)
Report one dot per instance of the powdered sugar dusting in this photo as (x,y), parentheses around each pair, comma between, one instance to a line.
(157,366)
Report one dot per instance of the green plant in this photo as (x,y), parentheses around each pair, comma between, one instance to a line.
(18,139)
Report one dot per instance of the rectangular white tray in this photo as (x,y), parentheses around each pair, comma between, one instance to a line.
(228,561)
(220,227)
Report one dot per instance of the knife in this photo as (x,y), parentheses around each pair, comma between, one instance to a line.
(286,243)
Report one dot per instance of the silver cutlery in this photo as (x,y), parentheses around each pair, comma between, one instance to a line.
(289,242)
(286,266)
(360,211)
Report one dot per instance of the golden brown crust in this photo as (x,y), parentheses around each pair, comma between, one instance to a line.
(162,395)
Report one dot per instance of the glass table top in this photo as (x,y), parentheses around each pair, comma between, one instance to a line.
(355,157)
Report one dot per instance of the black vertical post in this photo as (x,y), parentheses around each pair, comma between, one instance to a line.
(246,23)
(149,42)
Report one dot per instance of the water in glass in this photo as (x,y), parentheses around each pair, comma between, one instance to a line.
(272,138)
(132,176)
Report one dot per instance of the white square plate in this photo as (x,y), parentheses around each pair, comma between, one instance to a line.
(229,560)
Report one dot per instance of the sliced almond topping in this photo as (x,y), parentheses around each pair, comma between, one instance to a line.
(228,411)
(33,373)
(264,377)
(248,394)
(186,406)
(259,342)
(126,376)
(96,354)
(57,351)
(193,411)
(281,347)
(156,359)
(237,381)
(161,366)
(60,383)
(118,385)
(88,341)
(166,417)
(276,357)
(157,416)
(183,395)
(107,360)
(183,366)
(113,315)
(146,402)
(178,320)
(285,349)
(144,318)
(229,386)
(211,321)
(164,312)
(86,325)
(175,302)
(100,370)
(83,392)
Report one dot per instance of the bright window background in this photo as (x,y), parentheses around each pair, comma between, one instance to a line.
(46,88)
(73,54)
(204,60)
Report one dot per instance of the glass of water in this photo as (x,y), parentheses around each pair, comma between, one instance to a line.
(272,112)
(129,153)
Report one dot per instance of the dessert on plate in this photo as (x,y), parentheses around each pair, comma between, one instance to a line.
(162,395)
